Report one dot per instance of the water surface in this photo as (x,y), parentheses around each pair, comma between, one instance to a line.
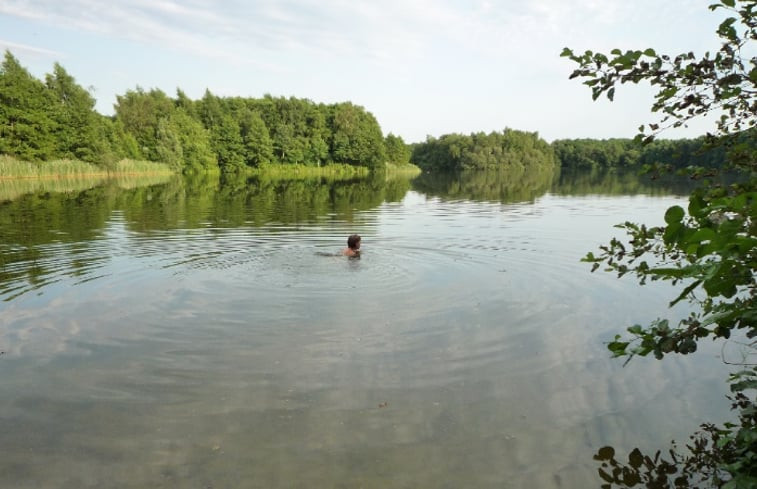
(194,334)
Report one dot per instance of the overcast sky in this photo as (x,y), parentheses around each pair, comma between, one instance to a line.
(422,67)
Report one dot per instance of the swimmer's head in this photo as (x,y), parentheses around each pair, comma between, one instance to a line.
(353,242)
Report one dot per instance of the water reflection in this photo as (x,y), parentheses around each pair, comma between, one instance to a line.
(199,334)
(39,228)
(620,182)
(498,186)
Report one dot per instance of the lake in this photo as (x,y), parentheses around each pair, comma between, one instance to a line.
(205,334)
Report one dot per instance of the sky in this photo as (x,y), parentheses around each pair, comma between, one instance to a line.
(421,67)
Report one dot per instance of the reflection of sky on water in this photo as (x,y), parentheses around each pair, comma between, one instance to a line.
(463,348)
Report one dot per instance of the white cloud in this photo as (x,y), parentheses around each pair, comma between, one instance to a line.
(28,50)
(424,65)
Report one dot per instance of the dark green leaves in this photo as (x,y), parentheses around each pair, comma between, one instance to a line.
(674,215)
(711,254)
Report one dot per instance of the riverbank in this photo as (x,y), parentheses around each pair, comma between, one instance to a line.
(408,169)
(13,169)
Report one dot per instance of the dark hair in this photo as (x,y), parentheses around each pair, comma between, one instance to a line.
(352,241)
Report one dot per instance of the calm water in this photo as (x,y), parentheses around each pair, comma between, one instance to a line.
(199,335)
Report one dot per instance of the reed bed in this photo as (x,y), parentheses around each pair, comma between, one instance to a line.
(402,170)
(13,168)
(18,178)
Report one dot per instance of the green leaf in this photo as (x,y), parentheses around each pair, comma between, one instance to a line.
(636,329)
(674,214)
(605,453)
(703,234)
(635,458)
(685,293)
(650,52)
(618,348)
(728,3)
(605,476)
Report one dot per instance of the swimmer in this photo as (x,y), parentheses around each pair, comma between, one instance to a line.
(353,246)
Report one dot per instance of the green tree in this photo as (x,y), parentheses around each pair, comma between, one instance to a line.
(167,144)
(27,125)
(258,148)
(194,141)
(185,103)
(226,141)
(77,129)
(225,134)
(397,152)
(509,149)
(140,113)
(356,137)
(708,250)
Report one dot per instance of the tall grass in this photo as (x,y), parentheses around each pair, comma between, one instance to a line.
(12,168)
(402,170)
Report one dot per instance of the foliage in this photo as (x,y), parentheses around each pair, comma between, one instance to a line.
(397,152)
(710,253)
(27,126)
(688,87)
(716,457)
(76,129)
(407,169)
(356,137)
(56,119)
(591,154)
(479,151)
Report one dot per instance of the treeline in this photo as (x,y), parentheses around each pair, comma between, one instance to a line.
(54,118)
(480,151)
(592,154)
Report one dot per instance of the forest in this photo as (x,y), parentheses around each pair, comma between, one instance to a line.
(508,149)
(593,154)
(55,118)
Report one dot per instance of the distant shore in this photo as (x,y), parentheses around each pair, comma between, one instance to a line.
(14,169)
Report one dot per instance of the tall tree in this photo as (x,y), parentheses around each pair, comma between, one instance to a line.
(140,113)
(356,137)
(27,126)
(258,148)
(77,129)
(194,141)
(397,151)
